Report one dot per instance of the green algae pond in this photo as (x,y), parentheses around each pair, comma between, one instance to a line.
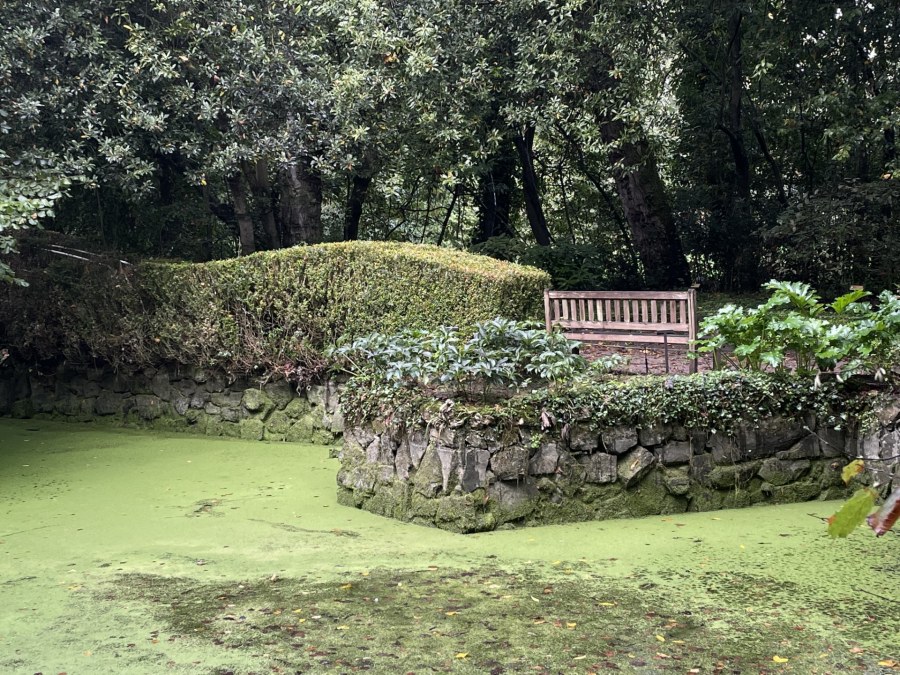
(135,552)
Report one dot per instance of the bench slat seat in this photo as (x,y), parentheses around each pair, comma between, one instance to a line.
(625,316)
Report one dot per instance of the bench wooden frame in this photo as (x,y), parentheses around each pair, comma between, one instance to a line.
(625,316)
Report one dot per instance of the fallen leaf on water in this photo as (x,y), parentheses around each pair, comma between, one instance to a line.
(851,470)
(778,659)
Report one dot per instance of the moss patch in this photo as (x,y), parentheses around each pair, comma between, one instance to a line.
(491,618)
(118,547)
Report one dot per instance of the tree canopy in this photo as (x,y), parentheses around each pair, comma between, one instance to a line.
(652,142)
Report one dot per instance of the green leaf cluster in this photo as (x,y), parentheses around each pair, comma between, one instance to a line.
(498,352)
(794,321)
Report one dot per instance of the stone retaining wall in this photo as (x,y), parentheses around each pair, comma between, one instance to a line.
(183,399)
(470,480)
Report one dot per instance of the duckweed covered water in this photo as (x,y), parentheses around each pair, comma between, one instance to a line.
(128,552)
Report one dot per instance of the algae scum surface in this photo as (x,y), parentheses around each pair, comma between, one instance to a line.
(128,552)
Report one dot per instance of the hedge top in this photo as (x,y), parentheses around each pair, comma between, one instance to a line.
(273,310)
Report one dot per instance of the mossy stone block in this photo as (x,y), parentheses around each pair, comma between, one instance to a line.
(257,401)
(22,409)
(300,431)
(278,423)
(281,393)
(297,408)
(252,430)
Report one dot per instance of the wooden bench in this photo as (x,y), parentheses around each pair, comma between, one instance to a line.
(625,316)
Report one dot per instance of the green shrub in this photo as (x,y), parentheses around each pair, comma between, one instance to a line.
(820,336)
(499,352)
(276,310)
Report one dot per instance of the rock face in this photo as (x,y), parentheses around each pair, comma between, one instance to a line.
(469,480)
(619,439)
(180,399)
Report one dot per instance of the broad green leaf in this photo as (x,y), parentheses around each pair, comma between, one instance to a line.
(852,514)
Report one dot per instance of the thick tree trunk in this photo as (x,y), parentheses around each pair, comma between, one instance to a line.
(359,188)
(647,209)
(496,192)
(734,128)
(640,187)
(258,176)
(360,181)
(242,213)
(301,206)
(533,206)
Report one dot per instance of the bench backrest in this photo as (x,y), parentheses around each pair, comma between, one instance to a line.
(632,311)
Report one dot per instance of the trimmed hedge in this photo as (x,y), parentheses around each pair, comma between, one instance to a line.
(274,310)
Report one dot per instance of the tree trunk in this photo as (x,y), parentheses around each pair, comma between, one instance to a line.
(646,208)
(359,188)
(496,192)
(734,129)
(258,177)
(639,185)
(242,213)
(301,206)
(533,206)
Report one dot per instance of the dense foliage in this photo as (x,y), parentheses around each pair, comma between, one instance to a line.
(716,400)
(269,311)
(794,330)
(683,140)
(498,352)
